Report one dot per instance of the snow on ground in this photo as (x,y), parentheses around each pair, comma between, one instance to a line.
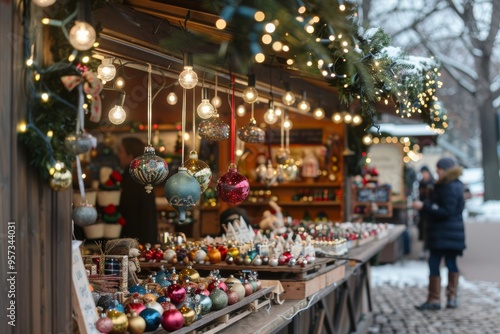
(484,212)
(415,273)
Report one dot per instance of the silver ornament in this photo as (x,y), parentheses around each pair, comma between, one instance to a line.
(79,143)
(148,169)
(84,215)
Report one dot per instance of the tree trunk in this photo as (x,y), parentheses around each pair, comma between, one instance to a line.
(489,130)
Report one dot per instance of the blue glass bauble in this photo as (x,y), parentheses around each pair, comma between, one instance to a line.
(182,191)
(137,288)
(152,318)
(148,169)
(205,304)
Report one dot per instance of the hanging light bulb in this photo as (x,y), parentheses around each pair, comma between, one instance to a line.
(288,98)
(241,111)
(119,82)
(269,116)
(337,118)
(318,113)
(356,119)
(347,118)
(250,94)
(44,3)
(117,114)
(172,98)
(303,105)
(216,101)
(205,110)
(287,123)
(82,36)
(106,71)
(188,78)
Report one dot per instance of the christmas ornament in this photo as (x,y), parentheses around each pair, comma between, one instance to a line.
(79,143)
(238,288)
(205,304)
(251,133)
(223,251)
(104,324)
(202,290)
(219,299)
(213,129)
(152,318)
(257,260)
(188,314)
(189,274)
(172,320)
(176,293)
(199,256)
(182,192)
(229,259)
(148,169)
(216,283)
(137,289)
(232,297)
(233,187)
(84,215)
(248,288)
(60,179)
(214,255)
(136,324)
(155,306)
(136,307)
(282,156)
(169,254)
(199,169)
(233,251)
(120,321)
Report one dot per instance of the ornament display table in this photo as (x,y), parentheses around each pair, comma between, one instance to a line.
(343,307)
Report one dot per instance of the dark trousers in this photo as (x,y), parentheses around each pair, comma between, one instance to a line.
(435,261)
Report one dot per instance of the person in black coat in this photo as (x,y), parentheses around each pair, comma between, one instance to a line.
(445,231)
(425,188)
(136,205)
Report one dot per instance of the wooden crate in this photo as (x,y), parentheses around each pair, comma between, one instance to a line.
(304,289)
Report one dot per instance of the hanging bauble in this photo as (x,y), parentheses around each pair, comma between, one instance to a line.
(182,191)
(104,325)
(219,299)
(176,293)
(79,143)
(120,321)
(190,274)
(199,169)
(233,187)
(252,133)
(136,324)
(232,297)
(205,303)
(188,314)
(61,179)
(84,215)
(213,129)
(282,156)
(148,169)
(172,320)
(152,318)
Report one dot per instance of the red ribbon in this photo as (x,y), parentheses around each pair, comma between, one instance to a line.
(92,85)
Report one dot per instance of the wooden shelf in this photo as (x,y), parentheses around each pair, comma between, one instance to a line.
(296,203)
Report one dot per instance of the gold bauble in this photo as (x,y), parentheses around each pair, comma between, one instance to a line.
(189,315)
(61,180)
(214,256)
(120,321)
(191,254)
(136,324)
(190,274)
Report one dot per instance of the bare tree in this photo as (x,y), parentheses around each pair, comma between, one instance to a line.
(464,36)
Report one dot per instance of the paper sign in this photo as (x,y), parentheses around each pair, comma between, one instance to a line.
(83,303)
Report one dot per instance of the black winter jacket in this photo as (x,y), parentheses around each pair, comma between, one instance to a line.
(445,228)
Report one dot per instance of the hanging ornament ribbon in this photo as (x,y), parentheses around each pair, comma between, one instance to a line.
(92,85)
(233,120)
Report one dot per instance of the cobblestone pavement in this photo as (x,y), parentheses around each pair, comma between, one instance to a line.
(396,289)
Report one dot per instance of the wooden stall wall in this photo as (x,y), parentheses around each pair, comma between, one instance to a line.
(41,216)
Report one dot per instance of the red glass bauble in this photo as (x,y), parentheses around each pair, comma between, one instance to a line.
(232,297)
(172,320)
(136,307)
(223,251)
(176,293)
(233,187)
